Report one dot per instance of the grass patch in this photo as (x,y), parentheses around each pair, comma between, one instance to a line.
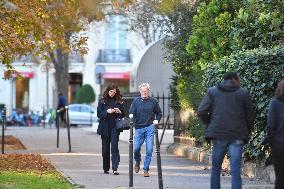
(29,171)
(32,180)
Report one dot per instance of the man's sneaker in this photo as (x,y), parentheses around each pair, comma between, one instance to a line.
(137,167)
(146,174)
(115,173)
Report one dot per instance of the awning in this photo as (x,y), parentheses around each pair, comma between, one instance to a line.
(25,74)
(117,75)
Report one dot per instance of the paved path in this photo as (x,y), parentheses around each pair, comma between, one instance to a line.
(83,166)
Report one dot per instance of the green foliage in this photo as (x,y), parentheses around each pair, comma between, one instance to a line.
(259,70)
(173,94)
(190,89)
(196,128)
(259,23)
(180,17)
(210,39)
(85,94)
(218,29)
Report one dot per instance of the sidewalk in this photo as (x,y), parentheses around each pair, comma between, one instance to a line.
(83,166)
(124,136)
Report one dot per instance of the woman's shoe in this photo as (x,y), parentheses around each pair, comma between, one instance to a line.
(115,173)
(106,172)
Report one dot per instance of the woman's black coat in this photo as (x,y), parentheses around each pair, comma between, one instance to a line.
(104,117)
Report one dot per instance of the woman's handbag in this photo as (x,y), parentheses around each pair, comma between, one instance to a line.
(122,123)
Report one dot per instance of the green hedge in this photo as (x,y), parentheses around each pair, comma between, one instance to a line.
(188,93)
(259,70)
(85,94)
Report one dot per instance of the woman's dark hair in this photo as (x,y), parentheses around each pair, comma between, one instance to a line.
(279,93)
(117,97)
(230,76)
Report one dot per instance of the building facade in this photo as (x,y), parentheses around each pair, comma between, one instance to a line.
(112,49)
(152,67)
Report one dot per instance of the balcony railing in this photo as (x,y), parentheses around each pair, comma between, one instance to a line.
(114,55)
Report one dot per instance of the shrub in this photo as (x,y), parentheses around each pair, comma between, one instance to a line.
(85,94)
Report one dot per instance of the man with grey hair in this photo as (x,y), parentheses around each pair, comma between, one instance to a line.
(145,110)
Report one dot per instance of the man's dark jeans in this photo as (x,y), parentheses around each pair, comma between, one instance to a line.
(235,150)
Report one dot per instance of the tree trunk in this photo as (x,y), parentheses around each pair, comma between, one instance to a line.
(61,72)
(60,60)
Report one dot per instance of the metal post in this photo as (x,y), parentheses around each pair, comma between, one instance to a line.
(100,79)
(131,151)
(169,109)
(163,109)
(159,166)
(3,127)
(43,116)
(164,128)
(158,98)
(57,127)
(91,116)
(47,86)
(12,93)
(68,127)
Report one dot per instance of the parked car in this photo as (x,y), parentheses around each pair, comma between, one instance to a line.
(82,114)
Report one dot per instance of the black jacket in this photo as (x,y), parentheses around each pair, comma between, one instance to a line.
(107,121)
(275,123)
(227,110)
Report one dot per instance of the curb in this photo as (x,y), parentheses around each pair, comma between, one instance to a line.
(65,176)
(192,153)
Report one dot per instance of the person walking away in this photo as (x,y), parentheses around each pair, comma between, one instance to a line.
(109,108)
(145,110)
(227,111)
(275,133)
(62,102)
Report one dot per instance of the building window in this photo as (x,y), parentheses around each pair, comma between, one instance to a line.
(116,32)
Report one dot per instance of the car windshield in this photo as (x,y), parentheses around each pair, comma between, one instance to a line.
(85,109)
(74,108)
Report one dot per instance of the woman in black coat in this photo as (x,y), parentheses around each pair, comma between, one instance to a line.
(275,133)
(110,107)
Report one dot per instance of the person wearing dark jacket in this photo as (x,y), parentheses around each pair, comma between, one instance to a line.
(109,108)
(145,110)
(228,113)
(62,102)
(275,133)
